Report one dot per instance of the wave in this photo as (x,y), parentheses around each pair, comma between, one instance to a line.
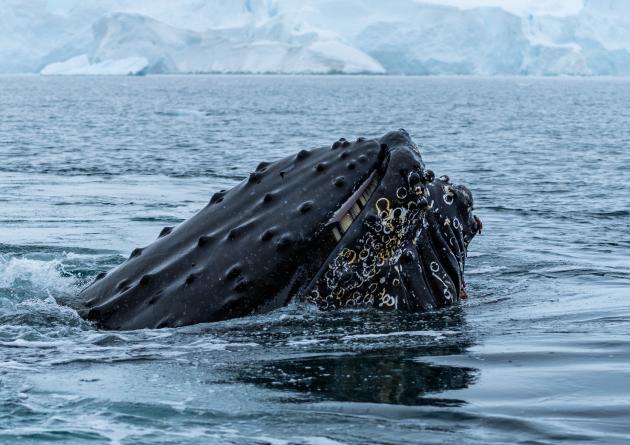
(21,275)
(181,112)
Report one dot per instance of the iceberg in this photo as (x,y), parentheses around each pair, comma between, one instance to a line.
(445,40)
(483,37)
(438,39)
(124,43)
(80,65)
(596,41)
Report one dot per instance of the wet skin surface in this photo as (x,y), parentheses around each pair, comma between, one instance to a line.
(356,224)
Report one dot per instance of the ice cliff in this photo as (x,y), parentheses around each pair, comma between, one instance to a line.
(310,36)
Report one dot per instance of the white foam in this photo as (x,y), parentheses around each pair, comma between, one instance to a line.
(40,275)
(306,440)
(304,341)
(434,334)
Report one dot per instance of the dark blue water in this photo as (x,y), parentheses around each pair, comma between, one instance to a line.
(540,353)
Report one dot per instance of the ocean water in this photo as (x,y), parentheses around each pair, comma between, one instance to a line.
(539,354)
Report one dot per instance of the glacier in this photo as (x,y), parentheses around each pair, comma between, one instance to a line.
(484,37)
(81,65)
(275,46)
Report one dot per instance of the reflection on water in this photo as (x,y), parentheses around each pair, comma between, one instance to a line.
(380,376)
(385,365)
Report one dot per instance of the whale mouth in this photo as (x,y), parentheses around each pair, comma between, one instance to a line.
(349,211)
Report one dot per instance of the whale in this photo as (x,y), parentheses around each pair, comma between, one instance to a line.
(359,223)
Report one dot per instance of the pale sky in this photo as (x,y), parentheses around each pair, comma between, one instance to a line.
(520,7)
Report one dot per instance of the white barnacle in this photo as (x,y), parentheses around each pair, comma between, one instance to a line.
(388,300)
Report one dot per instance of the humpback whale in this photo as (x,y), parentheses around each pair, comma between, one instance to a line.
(357,224)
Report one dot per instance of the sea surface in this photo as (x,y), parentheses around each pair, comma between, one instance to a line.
(91,168)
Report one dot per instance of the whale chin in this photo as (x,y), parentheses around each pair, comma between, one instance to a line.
(360,223)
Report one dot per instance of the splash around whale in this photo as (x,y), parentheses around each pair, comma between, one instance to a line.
(355,224)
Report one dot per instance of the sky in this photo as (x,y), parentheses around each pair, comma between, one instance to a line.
(519,7)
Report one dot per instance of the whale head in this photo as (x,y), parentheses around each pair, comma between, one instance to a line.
(359,223)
